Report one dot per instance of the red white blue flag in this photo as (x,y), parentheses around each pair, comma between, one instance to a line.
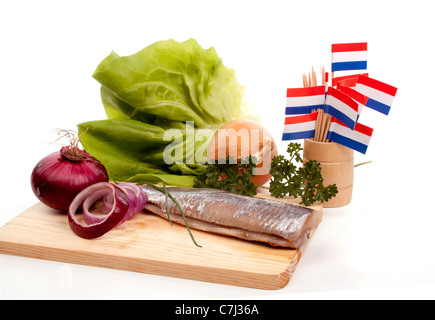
(304,100)
(300,127)
(360,99)
(380,95)
(349,56)
(357,139)
(341,106)
(348,81)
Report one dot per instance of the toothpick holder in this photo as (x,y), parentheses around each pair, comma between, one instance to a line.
(337,163)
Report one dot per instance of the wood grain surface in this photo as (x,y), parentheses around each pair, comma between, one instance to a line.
(148,244)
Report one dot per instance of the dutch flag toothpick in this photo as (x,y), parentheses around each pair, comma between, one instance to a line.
(343,101)
(300,127)
(355,95)
(349,56)
(357,139)
(380,95)
(341,106)
(304,100)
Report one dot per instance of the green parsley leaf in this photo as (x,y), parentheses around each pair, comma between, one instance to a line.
(305,180)
(230,176)
(290,177)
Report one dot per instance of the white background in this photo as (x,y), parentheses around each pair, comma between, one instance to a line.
(379,246)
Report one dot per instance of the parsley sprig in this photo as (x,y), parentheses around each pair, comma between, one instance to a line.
(289,177)
(230,175)
(304,181)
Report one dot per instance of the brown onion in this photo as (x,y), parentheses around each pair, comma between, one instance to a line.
(241,138)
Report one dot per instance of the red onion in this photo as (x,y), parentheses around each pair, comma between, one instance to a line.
(137,201)
(119,209)
(136,195)
(120,203)
(58,178)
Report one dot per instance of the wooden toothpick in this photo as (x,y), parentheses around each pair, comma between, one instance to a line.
(313,74)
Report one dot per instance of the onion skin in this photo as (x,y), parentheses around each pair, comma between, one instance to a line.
(136,196)
(113,218)
(57,179)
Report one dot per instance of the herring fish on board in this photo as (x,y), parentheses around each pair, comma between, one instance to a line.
(274,222)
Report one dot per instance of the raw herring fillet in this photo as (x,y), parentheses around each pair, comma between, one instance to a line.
(274,222)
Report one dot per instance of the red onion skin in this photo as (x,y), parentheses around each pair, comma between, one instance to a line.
(136,196)
(56,180)
(119,210)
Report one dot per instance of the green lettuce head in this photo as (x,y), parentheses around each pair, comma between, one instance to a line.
(169,96)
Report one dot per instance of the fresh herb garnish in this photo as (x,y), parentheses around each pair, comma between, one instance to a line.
(168,195)
(304,181)
(289,178)
(230,175)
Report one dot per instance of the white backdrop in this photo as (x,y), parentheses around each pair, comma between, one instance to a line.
(49,50)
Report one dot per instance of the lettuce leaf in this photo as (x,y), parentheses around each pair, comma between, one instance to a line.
(167,85)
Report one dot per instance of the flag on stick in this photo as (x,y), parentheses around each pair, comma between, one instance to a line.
(348,81)
(357,139)
(360,99)
(349,56)
(300,127)
(304,100)
(341,106)
(380,95)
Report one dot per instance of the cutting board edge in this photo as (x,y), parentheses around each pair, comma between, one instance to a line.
(268,281)
(255,280)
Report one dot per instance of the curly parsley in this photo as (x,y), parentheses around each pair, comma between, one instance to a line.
(299,181)
(289,177)
(230,176)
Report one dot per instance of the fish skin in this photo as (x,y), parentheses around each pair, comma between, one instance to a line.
(275,222)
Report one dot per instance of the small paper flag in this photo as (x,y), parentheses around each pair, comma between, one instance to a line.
(304,100)
(341,106)
(349,56)
(380,95)
(300,127)
(355,95)
(357,139)
(348,81)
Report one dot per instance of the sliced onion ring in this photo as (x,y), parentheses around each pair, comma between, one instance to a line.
(138,200)
(139,196)
(120,208)
(91,218)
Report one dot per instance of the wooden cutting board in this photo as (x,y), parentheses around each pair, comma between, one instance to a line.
(148,244)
